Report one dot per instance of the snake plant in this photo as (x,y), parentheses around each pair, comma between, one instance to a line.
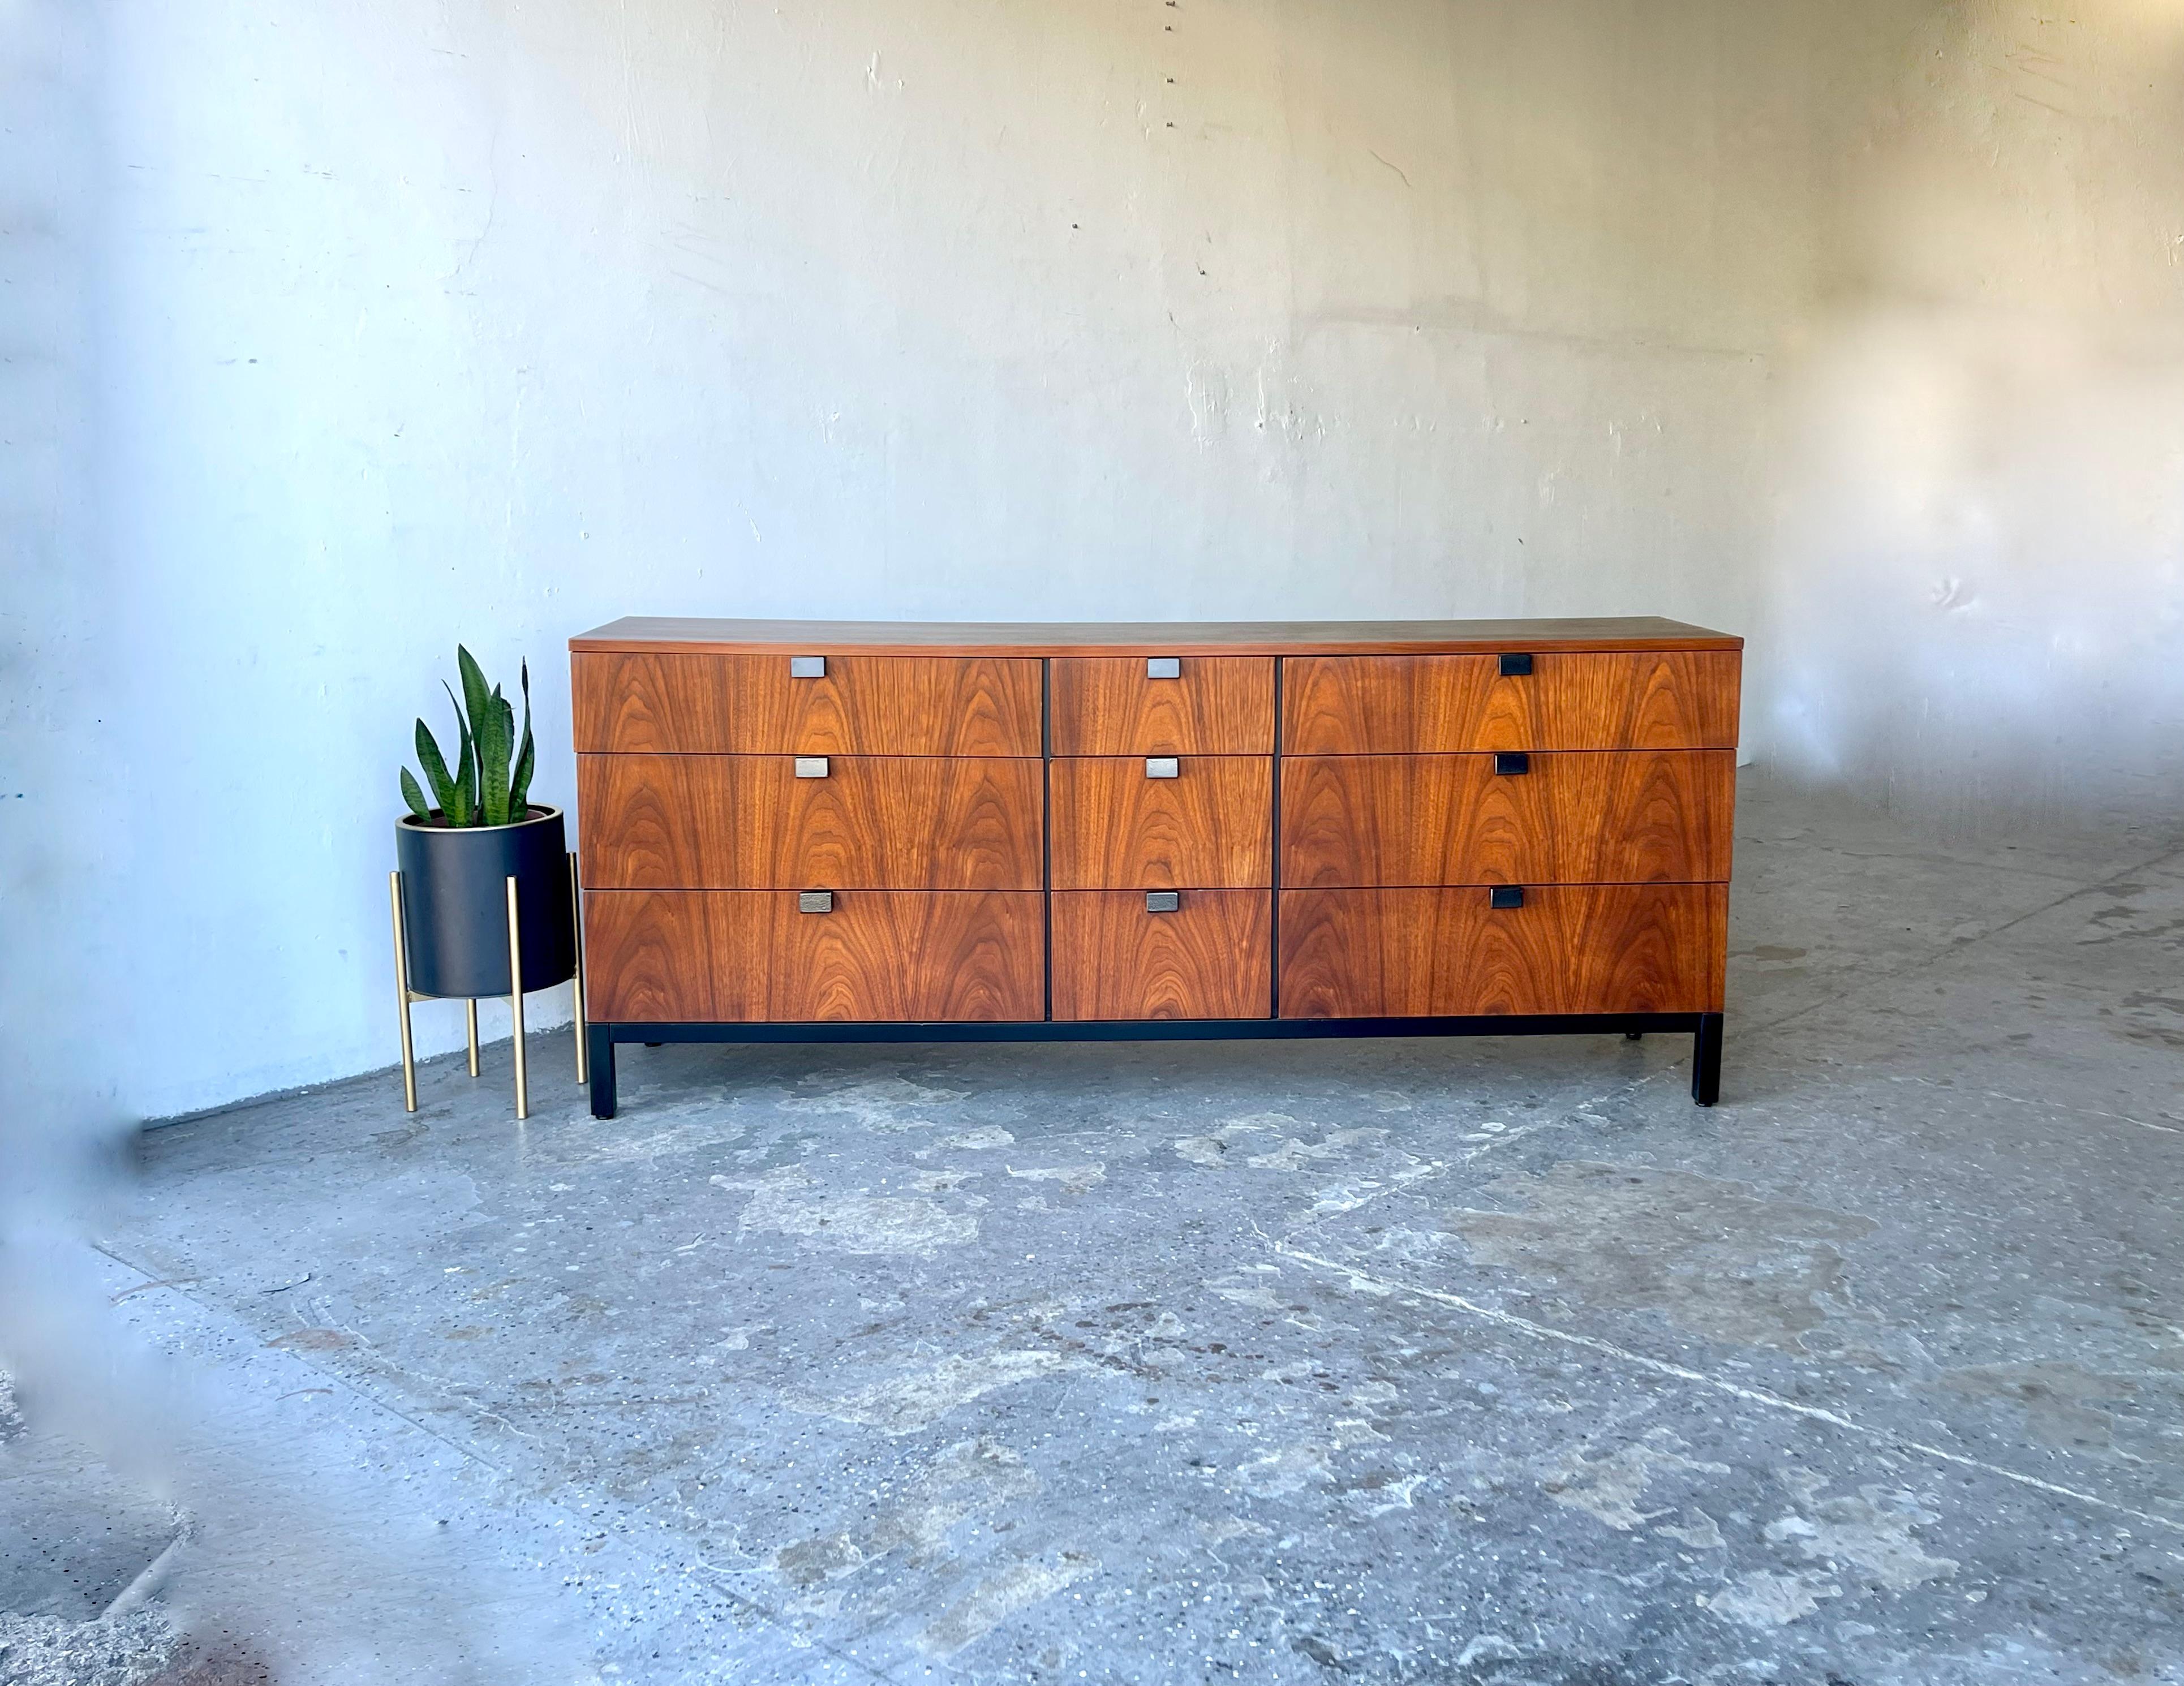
(491,784)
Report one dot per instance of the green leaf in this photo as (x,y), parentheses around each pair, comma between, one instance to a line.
(465,769)
(504,717)
(435,771)
(466,802)
(474,695)
(496,743)
(519,781)
(471,805)
(414,796)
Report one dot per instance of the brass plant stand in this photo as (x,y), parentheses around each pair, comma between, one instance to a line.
(405,997)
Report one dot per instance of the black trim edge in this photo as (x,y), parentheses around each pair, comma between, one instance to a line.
(1150,1030)
(1706,1027)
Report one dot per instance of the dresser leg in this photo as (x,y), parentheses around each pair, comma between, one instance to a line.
(1706,1061)
(603,1070)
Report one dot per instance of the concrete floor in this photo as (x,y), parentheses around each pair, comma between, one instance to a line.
(1492,1362)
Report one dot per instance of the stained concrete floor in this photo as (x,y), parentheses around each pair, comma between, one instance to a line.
(1484,1361)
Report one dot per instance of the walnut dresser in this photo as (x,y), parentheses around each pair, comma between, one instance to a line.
(819,830)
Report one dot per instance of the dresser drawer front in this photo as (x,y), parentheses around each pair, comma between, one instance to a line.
(1208,958)
(1428,704)
(1213,705)
(1208,826)
(693,704)
(750,822)
(1617,816)
(741,956)
(1412,953)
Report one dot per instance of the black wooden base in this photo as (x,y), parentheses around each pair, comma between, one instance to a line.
(1705,1029)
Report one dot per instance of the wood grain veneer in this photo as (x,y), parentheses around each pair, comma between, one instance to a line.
(645,633)
(1619,817)
(748,822)
(1210,958)
(1211,827)
(1217,705)
(684,702)
(1570,948)
(1354,705)
(744,955)
(986,782)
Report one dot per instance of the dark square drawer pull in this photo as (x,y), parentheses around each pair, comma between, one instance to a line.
(1163,901)
(815,901)
(1506,895)
(1513,761)
(1163,667)
(808,667)
(1515,666)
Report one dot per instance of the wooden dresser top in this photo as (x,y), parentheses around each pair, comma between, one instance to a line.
(639,632)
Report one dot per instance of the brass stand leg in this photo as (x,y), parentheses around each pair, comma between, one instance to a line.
(516,1004)
(577,899)
(402,995)
(469,1012)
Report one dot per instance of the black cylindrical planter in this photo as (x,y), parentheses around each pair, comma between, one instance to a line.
(454,904)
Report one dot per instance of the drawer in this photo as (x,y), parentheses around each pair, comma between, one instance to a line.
(1427,704)
(879,822)
(1628,817)
(746,955)
(1569,948)
(1209,957)
(1214,705)
(694,704)
(1115,828)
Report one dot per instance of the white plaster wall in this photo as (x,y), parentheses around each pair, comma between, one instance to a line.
(422,321)
(404,322)
(63,958)
(1977,587)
